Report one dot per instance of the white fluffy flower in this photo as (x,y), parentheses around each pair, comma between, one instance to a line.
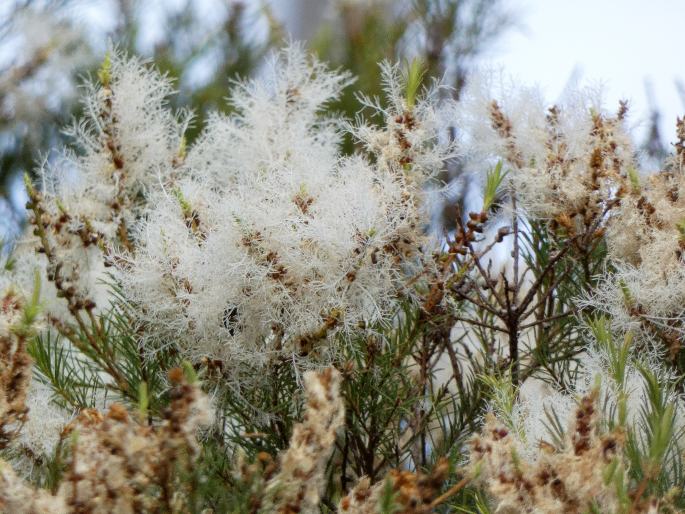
(89,199)
(548,147)
(275,239)
(42,431)
(126,143)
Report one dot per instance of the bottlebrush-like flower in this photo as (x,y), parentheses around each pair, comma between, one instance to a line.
(646,240)
(126,143)
(86,201)
(275,240)
(565,159)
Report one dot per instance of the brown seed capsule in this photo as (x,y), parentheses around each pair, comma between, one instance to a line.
(176,375)
(117,412)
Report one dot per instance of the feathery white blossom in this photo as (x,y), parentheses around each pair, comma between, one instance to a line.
(42,431)
(548,147)
(275,240)
(89,198)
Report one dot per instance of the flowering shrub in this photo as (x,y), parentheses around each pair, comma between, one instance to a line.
(261,321)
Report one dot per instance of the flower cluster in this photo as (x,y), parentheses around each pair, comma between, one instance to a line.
(646,292)
(298,484)
(568,480)
(87,202)
(575,165)
(567,159)
(286,238)
(118,463)
(273,239)
(547,450)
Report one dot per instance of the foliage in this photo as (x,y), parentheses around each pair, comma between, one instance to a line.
(256,315)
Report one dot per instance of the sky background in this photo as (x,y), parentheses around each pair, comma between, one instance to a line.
(618,44)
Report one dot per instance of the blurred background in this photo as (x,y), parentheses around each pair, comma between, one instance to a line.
(47,48)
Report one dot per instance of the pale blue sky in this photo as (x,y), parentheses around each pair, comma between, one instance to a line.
(616,43)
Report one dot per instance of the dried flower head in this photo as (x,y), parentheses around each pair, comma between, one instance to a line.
(19,497)
(403,492)
(566,479)
(117,464)
(17,316)
(298,484)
